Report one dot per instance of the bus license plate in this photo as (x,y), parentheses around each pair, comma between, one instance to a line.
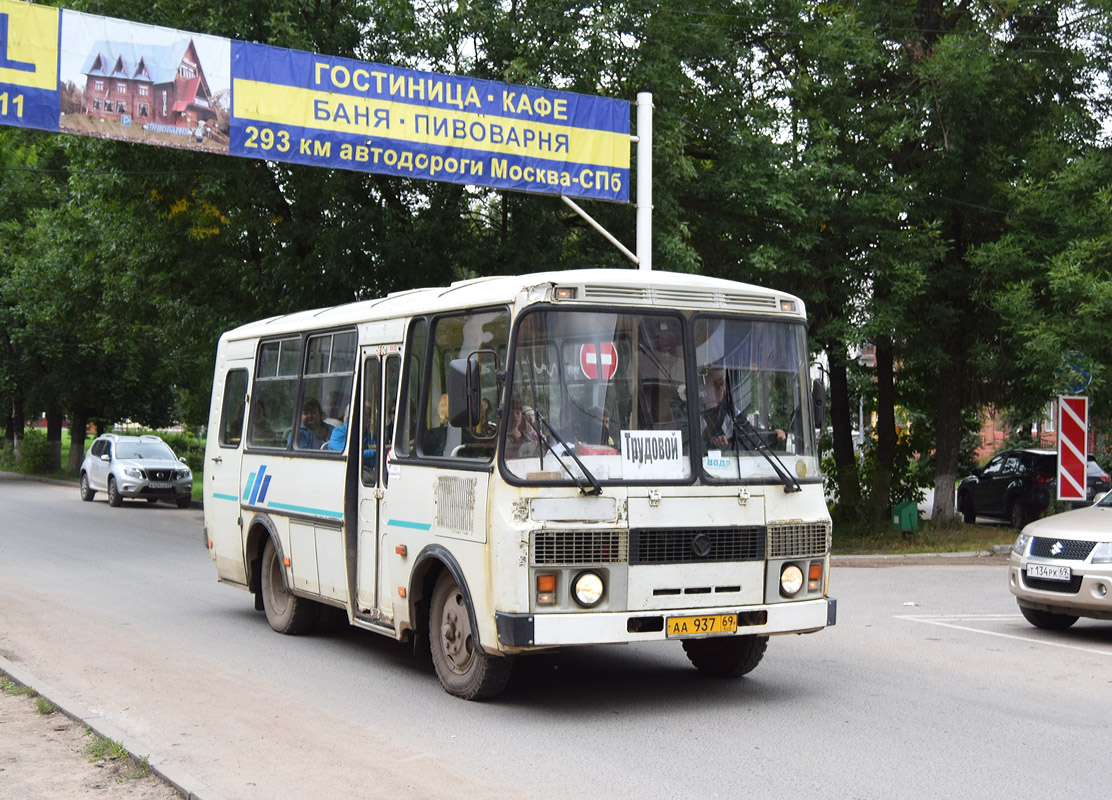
(1048,572)
(708,625)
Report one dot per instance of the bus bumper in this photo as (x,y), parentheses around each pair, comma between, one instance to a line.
(554,630)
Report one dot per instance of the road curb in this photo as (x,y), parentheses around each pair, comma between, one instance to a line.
(183,782)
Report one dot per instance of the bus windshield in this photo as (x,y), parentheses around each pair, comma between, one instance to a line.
(606,395)
(597,385)
(755,411)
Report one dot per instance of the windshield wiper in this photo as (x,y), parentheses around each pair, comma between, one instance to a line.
(596,487)
(754,441)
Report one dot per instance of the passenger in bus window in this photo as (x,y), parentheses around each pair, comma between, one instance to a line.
(314,432)
(521,439)
(436,439)
(263,433)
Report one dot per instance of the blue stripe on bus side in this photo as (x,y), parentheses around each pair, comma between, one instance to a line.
(401,523)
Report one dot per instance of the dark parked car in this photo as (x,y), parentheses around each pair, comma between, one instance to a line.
(1096,480)
(1015,485)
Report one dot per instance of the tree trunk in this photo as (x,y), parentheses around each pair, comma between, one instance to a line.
(54,420)
(881,489)
(78,423)
(947,428)
(19,422)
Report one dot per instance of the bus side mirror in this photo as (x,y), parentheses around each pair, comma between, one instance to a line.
(818,398)
(463,392)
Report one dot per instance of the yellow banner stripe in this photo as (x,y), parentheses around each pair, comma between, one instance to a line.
(294,106)
(33,38)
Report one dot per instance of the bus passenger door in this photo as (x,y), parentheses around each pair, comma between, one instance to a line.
(379,393)
(222,472)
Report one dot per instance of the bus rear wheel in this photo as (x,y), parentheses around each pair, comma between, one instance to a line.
(285,612)
(462,666)
(726,656)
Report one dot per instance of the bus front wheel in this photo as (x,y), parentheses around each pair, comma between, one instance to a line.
(285,612)
(726,656)
(462,666)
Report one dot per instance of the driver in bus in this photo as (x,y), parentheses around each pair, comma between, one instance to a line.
(719,417)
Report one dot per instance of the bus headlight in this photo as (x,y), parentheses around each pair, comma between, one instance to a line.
(587,589)
(791,580)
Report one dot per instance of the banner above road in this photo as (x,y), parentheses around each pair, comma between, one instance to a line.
(63,70)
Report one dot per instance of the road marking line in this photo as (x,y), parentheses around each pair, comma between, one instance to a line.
(943,622)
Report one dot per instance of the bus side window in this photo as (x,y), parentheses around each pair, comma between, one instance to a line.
(274,396)
(393,378)
(231,416)
(408,413)
(326,393)
(368,436)
(456,337)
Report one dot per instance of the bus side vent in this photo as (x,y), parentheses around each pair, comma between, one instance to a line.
(549,547)
(696,545)
(455,503)
(792,540)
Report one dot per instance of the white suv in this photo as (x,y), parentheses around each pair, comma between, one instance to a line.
(135,467)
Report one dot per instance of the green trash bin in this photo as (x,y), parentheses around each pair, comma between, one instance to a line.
(905,516)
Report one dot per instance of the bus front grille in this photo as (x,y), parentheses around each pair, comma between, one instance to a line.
(556,547)
(696,545)
(795,539)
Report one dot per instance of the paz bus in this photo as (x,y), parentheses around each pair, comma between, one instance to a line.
(512,464)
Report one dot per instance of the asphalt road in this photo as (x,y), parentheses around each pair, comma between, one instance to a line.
(930,686)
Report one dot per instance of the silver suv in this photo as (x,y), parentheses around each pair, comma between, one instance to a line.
(134,467)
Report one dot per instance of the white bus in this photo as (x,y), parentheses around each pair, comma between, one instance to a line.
(513,464)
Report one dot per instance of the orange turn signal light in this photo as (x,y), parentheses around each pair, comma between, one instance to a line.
(546,583)
(814,578)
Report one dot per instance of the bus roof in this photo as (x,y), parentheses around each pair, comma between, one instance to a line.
(614,287)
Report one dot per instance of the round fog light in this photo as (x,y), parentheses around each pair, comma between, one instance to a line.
(587,589)
(791,580)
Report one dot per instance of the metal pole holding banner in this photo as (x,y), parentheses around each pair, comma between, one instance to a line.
(645,180)
(644,138)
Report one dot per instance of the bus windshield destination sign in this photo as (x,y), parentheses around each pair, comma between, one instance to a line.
(62,70)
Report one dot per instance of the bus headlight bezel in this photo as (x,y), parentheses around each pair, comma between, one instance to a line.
(588,588)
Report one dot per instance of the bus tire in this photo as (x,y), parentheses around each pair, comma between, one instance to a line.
(285,612)
(726,656)
(462,666)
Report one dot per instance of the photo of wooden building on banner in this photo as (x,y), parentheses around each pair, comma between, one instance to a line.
(156,87)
